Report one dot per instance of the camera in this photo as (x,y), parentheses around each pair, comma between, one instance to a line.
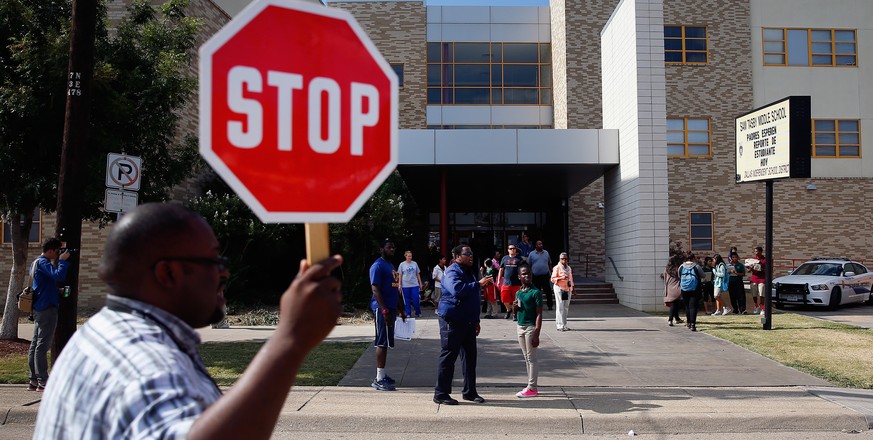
(72,251)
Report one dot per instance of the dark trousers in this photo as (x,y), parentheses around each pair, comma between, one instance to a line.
(45,323)
(543,283)
(675,306)
(737,293)
(691,299)
(456,338)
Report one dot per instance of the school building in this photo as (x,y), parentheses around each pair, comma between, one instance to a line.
(606,128)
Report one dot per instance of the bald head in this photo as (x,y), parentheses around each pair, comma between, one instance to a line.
(150,232)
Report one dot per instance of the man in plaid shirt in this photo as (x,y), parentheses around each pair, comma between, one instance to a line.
(133,371)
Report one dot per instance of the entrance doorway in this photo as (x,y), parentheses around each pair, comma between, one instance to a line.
(488,231)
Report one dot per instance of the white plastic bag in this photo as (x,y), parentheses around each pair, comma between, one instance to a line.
(404,330)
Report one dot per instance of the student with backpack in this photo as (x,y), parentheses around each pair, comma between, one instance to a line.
(690,276)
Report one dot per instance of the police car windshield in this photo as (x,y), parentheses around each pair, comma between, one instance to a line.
(830,269)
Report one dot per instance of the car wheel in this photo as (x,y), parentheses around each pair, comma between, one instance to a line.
(836,297)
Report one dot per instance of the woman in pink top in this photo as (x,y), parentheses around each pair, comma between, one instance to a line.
(562,278)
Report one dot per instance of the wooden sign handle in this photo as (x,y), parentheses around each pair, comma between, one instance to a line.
(317,242)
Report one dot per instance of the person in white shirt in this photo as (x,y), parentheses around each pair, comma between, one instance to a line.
(437,276)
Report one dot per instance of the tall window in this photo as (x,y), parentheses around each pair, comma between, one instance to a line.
(836,138)
(810,47)
(34,229)
(689,137)
(700,230)
(398,69)
(489,73)
(685,44)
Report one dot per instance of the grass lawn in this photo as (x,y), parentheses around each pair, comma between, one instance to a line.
(839,353)
(324,366)
(13,368)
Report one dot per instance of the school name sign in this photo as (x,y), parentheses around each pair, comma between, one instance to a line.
(774,141)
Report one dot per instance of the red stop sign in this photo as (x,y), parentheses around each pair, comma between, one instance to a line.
(298,111)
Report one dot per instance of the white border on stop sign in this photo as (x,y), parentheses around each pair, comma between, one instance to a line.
(205,66)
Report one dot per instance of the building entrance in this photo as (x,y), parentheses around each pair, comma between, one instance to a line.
(488,231)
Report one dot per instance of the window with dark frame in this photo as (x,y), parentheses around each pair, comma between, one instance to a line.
(685,44)
(489,73)
(836,138)
(700,231)
(35,229)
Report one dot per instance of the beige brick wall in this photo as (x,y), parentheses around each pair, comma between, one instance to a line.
(584,19)
(559,62)
(721,89)
(398,29)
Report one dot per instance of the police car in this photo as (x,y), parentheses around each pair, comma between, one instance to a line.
(824,282)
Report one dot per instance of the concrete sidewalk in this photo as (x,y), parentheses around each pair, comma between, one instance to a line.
(617,370)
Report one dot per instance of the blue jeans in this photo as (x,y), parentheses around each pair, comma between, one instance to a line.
(456,338)
(43,332)
(412,295)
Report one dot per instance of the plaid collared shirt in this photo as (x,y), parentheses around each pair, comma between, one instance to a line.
(127,374)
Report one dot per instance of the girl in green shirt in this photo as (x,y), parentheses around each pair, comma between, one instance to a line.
(529,309)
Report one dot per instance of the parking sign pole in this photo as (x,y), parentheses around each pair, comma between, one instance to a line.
(768,268)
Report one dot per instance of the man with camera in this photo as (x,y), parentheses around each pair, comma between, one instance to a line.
(46,277)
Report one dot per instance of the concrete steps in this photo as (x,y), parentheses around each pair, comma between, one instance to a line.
(594,293)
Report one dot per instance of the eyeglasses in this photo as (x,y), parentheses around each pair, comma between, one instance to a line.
(468,254)
(219,261)
(563,258)
(512,248)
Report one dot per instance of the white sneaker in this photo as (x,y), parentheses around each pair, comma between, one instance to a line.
(717,313)
(757,309)
(762,311)
(727,311)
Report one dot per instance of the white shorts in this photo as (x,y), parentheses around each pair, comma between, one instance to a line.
(757,289)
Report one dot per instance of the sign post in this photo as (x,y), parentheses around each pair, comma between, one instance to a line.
(773,142)
(298,114)
(123,180)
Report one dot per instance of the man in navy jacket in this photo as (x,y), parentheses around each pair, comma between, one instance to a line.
(458,312)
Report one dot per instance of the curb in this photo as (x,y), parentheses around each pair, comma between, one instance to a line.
(571,411)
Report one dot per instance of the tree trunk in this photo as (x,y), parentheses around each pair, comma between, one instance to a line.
(18,274)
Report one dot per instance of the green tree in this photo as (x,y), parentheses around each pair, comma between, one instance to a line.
(142,82)
(385,215)
(263,257)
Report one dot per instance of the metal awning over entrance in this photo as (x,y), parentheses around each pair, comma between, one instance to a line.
(519,168)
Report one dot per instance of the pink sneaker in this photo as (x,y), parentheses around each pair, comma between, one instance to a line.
(527,392)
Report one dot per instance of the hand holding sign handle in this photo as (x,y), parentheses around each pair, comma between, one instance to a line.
(317,242)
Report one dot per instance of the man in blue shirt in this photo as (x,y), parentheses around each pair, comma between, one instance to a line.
(458,312)
(45,308)
(385,304)
(524,246)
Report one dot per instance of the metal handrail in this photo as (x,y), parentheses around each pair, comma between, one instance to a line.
(615,268)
